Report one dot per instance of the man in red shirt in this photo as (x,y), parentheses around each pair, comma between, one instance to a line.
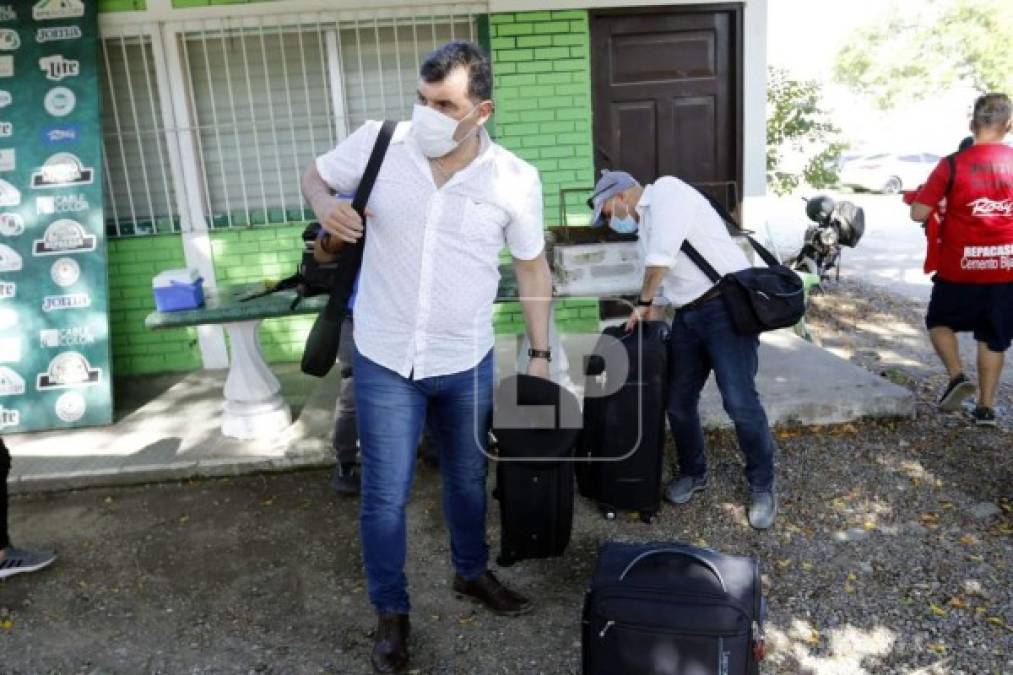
(973,288)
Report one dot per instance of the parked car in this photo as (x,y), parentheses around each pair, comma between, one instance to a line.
(887,172)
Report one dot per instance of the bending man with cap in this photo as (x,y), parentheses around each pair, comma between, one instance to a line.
(666,214)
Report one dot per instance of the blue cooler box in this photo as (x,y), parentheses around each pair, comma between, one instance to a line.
(178,289)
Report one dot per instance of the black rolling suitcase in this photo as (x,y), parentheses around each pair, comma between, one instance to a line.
(534,471)
(621,448)
(672,609)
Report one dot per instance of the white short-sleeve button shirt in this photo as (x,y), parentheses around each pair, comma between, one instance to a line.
(430,270)
(672,212)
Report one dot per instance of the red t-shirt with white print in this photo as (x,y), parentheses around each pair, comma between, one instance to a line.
(977,231)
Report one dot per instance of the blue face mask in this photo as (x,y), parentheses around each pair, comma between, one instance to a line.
(625,225)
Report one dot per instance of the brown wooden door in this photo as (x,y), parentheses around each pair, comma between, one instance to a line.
(666,93)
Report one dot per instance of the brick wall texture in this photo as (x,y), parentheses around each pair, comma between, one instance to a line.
(133,261)
(542,89)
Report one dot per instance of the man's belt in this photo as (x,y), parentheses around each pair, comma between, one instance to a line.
(714,292)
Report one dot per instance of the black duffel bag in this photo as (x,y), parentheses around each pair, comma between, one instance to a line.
(335,278)
(757,298)
(321,348)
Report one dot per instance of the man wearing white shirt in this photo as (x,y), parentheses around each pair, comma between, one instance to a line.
(666,214)
(447,200)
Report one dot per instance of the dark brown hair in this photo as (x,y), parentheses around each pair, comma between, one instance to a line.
(991,110)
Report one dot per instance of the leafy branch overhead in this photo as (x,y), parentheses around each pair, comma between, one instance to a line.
(941,44)
(796,124)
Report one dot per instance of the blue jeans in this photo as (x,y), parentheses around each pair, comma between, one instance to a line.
(392,412)
(702,340)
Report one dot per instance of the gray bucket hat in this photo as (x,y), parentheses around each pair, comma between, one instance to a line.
(609,185)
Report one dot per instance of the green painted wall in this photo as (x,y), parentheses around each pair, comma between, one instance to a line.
(205,3)
(240,256)
(121,5)
(133,261)
(258,254)
(542,89)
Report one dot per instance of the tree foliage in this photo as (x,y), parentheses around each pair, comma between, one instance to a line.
(797,124)
(941,44)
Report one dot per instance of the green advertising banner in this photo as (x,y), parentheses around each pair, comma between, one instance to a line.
(54,330)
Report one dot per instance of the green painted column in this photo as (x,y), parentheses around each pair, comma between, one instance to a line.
(542,89)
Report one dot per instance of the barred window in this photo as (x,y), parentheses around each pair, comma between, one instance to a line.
(265,94)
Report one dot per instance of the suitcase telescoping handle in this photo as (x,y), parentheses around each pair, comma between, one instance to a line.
(675,551)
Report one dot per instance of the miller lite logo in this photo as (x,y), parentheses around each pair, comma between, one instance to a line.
(56,67)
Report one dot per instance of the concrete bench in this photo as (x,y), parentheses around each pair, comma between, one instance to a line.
(254,407)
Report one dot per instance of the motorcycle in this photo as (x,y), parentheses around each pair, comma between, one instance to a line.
(835,225)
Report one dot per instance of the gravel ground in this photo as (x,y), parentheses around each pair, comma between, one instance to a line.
(891,555)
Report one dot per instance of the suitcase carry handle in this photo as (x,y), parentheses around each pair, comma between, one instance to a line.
(674,551)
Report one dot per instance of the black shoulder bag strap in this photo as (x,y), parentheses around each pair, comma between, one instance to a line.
(321,348)
(951,159)
(351,259)
(702,263)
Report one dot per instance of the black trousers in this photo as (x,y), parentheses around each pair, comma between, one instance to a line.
(5,468)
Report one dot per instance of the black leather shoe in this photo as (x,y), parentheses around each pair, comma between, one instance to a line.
(490,592)
(390,643)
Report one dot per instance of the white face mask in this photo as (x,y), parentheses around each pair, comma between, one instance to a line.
(434,131)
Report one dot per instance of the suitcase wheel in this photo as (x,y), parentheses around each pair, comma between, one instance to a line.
(647,516)
(608,514)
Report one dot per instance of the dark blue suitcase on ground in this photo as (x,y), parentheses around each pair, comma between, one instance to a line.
(672,609)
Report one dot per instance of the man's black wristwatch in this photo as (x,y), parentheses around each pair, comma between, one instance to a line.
(644,303)
(540,354)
